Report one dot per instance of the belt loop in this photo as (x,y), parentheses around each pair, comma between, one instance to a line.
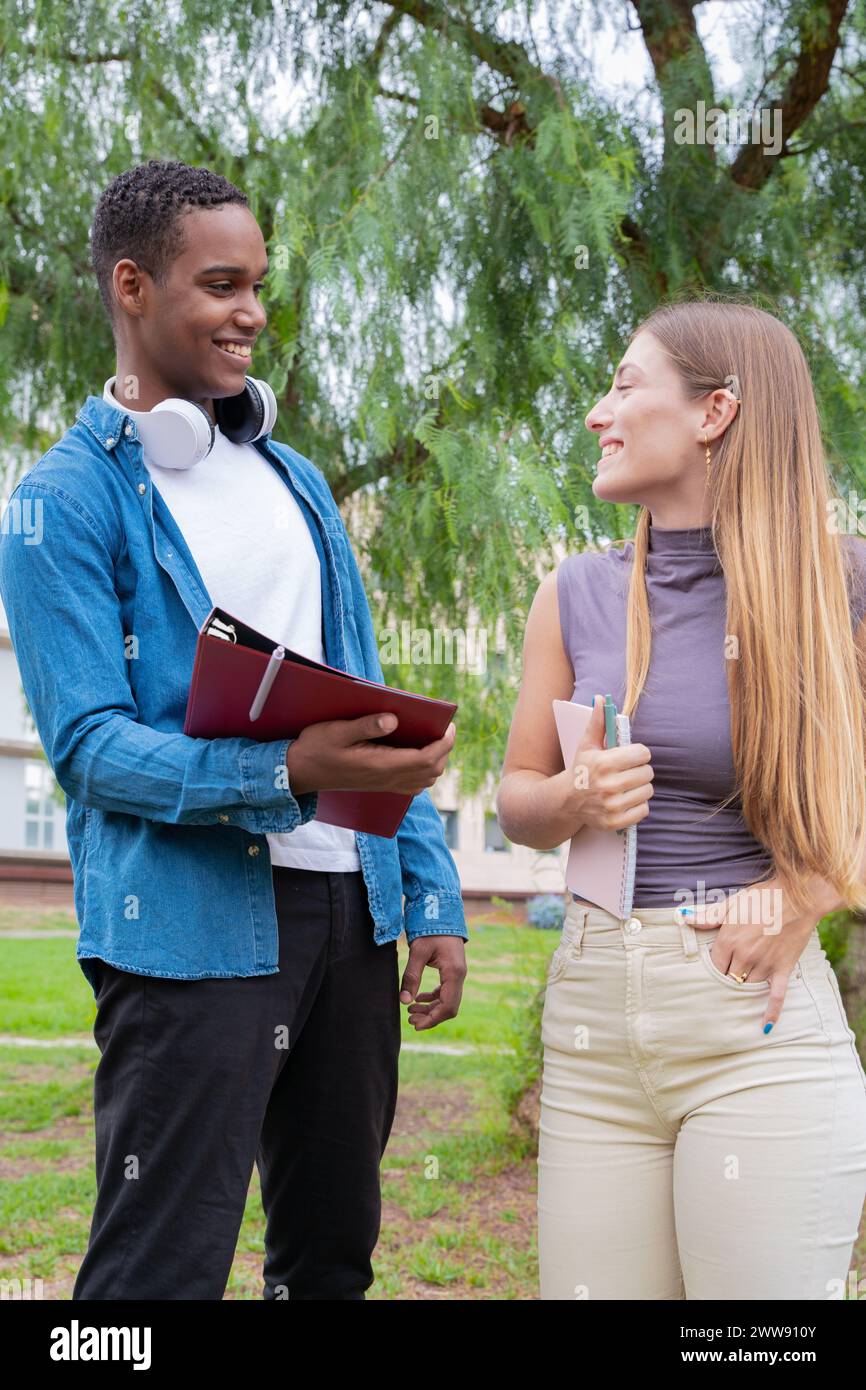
(578,935)
(689,937)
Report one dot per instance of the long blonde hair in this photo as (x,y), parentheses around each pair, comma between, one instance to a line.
(796,685)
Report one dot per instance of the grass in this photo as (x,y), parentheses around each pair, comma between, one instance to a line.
(23,919)
(455,1151)
(458,1176)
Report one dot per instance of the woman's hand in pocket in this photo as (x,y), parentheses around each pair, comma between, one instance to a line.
(759,939)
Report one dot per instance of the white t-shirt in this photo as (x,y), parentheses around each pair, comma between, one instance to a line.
(254,551)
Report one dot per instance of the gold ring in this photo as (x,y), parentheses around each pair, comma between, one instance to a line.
(740,979)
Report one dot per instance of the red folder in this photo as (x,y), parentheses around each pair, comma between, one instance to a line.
(231,660)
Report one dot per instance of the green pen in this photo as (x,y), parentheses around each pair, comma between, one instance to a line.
(610,729)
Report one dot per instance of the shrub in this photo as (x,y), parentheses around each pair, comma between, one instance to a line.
(546,911)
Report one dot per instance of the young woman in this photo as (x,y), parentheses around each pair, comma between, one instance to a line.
(703,1108)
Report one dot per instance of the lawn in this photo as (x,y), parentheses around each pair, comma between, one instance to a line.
(458,1177)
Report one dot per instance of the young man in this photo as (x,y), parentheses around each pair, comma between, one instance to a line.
(242,955)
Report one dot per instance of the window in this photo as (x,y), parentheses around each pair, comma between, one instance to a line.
(451,825)
(39,806)
(494,840)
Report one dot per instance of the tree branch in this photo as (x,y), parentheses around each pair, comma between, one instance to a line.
(512,60)
(502,55)
(35,50)
(408,458)
(671,35)
(210,152)
(823,139)
(806,86)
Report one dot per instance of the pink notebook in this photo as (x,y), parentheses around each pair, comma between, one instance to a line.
(601,863)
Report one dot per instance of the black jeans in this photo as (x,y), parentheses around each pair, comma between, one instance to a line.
(199,1079)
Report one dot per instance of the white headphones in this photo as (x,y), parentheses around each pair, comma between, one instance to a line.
(178,433)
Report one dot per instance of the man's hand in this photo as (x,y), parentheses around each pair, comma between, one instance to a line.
(349,754)
(447,955)
(760,938)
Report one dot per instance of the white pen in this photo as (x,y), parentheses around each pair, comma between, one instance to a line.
(267,681)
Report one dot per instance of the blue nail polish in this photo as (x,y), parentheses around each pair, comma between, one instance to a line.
(767,1027)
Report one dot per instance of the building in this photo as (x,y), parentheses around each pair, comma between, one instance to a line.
(490,866)
(34,861)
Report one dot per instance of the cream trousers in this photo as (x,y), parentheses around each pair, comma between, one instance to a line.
(683,1153)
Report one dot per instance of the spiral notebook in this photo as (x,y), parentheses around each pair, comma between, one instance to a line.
(601,863)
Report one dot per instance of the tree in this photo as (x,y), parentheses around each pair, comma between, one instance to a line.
(462,231)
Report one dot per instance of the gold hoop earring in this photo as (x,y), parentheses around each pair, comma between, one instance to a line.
(707,444)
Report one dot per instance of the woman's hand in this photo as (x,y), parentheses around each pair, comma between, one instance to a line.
(759,938)
(613,786)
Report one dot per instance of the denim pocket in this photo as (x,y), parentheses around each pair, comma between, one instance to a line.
(748,986)
(570,937)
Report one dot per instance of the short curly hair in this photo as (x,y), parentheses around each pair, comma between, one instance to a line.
(138,217)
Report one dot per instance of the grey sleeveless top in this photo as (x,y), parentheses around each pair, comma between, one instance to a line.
(683,714)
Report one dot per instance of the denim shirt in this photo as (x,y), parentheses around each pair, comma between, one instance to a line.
(166,833)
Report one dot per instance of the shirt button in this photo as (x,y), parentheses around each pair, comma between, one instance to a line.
(253,849)
(142,487)
(224,819)
(109,441)
(634,924)
(127,429)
